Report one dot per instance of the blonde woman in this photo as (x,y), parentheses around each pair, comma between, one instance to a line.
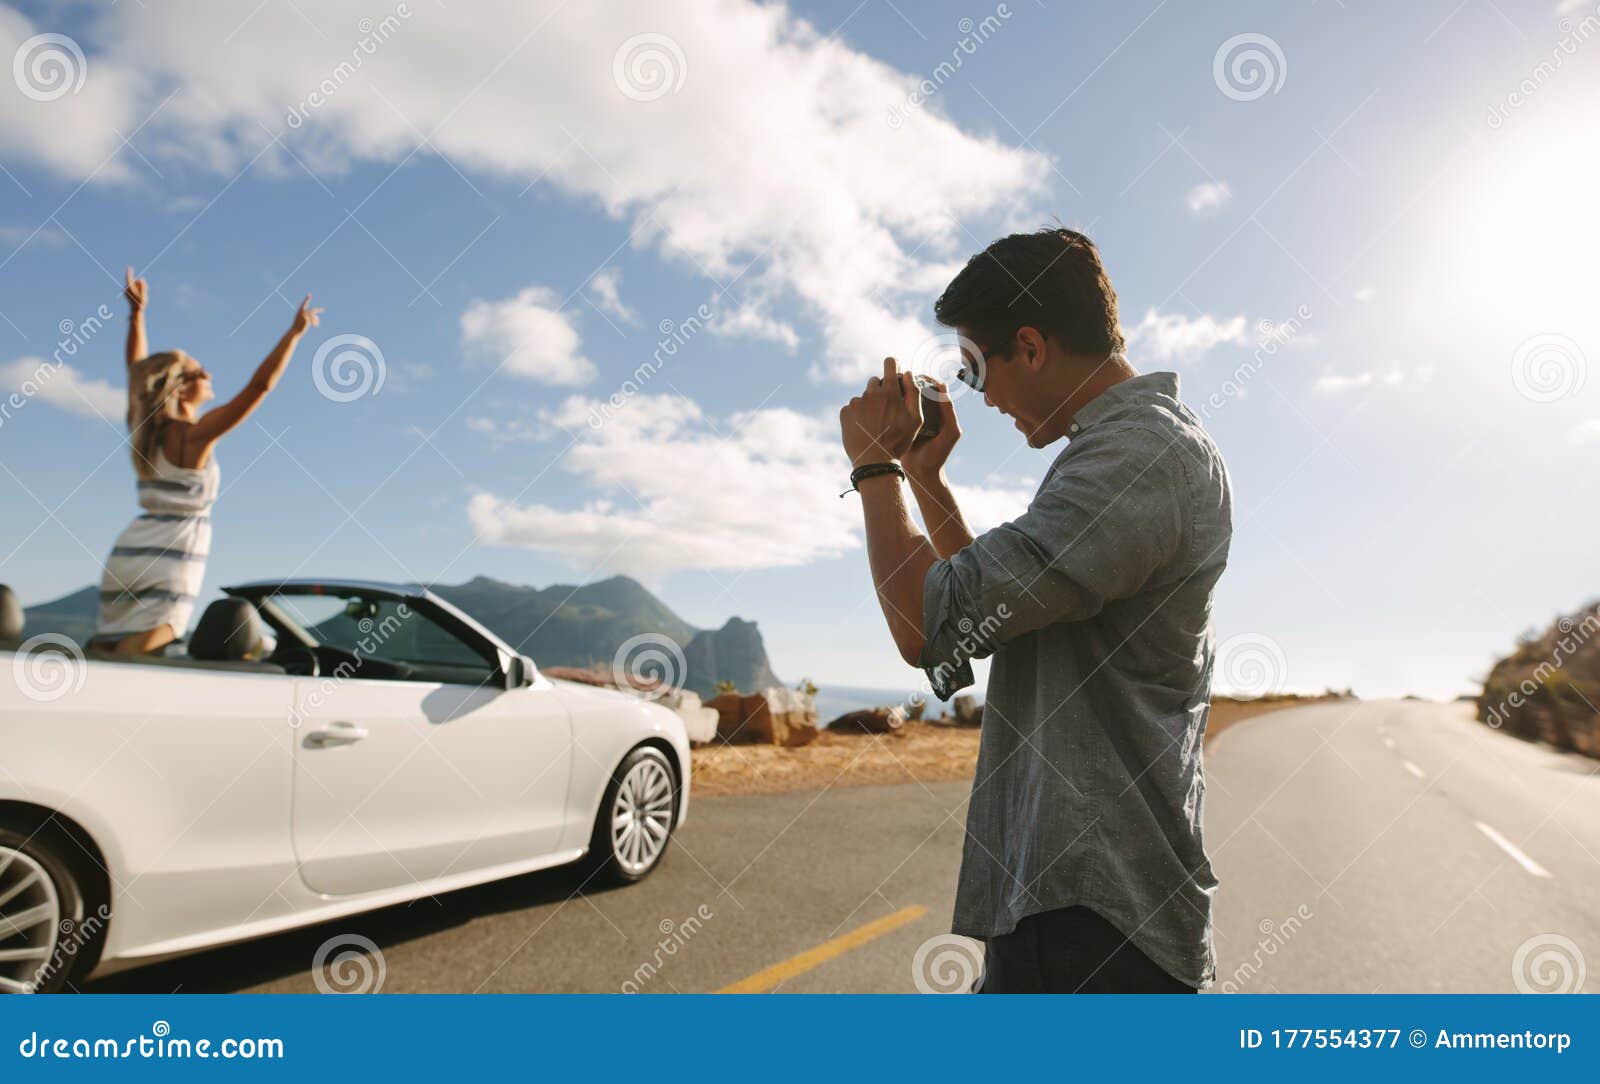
(147,594)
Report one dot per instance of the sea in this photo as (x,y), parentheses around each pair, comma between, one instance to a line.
(835,700)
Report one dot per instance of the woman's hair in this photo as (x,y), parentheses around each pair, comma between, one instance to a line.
(153,386)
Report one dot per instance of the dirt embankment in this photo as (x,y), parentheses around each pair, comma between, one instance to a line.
(918,751)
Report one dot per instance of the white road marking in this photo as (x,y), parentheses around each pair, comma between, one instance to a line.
(1414,770)
(1388,742)
(1513,850)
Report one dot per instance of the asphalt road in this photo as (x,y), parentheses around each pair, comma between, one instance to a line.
(1347,839)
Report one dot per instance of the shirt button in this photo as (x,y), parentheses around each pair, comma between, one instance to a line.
(1072,430)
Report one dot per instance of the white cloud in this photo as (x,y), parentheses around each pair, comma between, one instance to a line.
(1585,432)
(1165,337)
(751,321)
(1366,293)
(1393,376)
(677,490)
(605,292)
(989,505)
(15,237)
(62,386)
(501,432)
(529,336)
(767,155)
(1206,198)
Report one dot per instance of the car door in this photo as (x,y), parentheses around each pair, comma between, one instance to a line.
(401,779)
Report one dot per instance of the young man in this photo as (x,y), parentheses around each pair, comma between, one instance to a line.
(1083,868)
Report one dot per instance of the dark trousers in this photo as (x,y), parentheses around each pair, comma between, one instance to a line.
(1071,951)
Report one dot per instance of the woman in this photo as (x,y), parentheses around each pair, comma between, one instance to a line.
(154,573)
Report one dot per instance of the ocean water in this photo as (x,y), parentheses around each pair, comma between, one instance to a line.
(834,700)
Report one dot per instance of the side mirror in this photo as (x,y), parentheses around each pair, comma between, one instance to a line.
(520,672)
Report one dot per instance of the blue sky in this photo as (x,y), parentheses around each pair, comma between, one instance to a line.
(1385,242)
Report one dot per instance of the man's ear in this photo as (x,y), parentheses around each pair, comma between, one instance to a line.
(1031,349)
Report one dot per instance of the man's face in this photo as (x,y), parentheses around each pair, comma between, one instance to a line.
(1008,387)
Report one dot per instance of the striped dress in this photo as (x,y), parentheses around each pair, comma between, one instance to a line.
(154,572)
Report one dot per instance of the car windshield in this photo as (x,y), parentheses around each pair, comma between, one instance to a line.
(388,630)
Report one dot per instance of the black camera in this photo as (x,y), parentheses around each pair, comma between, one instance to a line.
(932,416)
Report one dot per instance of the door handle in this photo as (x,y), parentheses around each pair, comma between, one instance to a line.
(336,734)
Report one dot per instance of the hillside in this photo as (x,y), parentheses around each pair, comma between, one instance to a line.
(561,625)
(584,626)
(1548,689)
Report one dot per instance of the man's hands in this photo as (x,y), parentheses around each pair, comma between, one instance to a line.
(879,425)
(306,317)
(924,461)
(136,291)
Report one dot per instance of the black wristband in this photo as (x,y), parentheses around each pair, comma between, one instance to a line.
(871,470)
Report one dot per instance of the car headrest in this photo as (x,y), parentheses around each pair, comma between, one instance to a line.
(10,614)
(227,632)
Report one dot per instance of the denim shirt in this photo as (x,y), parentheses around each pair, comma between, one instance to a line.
(1096,605)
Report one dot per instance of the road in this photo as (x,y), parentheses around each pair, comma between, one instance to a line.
(1362,846)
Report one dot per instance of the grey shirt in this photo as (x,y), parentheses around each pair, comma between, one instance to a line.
(1096,605)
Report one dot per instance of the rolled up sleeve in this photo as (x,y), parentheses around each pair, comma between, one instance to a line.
(1104,524)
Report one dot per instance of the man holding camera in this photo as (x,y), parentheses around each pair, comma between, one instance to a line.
(1083,868)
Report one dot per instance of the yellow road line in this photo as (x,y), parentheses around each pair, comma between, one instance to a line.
(762,981)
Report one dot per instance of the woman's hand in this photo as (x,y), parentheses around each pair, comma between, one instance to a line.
(136,291)
(879,424)
(924,460)
(306,317)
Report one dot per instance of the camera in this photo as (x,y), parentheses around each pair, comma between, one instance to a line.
(932,417)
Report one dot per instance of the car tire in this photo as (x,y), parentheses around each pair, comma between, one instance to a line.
(55,943)
(637,816)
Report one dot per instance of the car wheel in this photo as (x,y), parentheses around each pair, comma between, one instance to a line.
(45,943)
(636,817)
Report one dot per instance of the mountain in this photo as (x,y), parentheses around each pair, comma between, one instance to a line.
(73,616)
(557,626)
(586,625)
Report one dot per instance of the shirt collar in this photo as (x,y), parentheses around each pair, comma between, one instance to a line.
(1119,397)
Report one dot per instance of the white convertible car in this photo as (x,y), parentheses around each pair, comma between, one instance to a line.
(376,746)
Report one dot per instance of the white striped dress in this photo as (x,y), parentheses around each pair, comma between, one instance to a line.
(155,569)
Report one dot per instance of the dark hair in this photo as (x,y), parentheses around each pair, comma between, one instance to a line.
(1051,280)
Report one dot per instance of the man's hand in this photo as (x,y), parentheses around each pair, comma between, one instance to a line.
(879,425)
(924,461)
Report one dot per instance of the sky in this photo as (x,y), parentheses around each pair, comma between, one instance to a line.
(597,279)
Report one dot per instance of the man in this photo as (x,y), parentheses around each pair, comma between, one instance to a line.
(1083,868)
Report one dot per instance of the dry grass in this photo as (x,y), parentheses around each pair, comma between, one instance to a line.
(928,752)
